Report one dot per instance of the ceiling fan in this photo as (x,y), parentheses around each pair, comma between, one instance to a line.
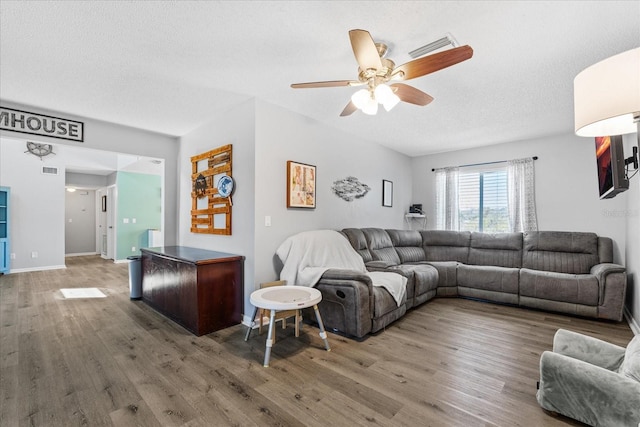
(375,71)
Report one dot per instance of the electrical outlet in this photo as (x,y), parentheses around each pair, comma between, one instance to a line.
(13,255)
(133,220)
(133,248)
(34,254)
(125,220)
(267,221)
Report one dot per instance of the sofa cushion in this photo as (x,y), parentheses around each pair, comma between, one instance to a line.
(408,244)
(447,273)
(488,278)
(422,278)
(501,249)
(560,252)
(445,245)
(630,366)
(359,243)
(380,245)
(383,302)
(569,288)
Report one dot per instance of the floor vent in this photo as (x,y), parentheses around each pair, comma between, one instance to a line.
(47,170)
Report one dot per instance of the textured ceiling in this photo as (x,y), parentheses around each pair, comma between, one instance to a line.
(170,66)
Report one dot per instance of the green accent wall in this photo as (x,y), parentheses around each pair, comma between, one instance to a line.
(139,197)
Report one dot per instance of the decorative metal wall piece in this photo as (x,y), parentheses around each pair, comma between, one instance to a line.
(38,149)
(350,188)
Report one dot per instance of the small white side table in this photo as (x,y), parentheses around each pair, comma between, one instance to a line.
(285,298)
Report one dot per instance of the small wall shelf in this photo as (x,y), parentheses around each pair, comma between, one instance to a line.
(410,218)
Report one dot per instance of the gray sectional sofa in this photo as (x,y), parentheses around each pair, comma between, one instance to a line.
(564,272)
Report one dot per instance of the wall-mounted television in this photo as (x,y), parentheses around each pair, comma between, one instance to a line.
(611,166)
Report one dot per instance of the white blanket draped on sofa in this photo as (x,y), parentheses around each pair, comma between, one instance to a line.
(307,255)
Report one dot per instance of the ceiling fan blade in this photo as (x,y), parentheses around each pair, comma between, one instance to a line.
(429,64)
(365,50)
(334,83)
(411,95)
(349,109)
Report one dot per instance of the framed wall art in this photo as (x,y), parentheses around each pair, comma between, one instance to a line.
(387,193)
(301,185)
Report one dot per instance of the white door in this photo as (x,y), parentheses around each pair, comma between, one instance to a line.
(112,194)
(101,222)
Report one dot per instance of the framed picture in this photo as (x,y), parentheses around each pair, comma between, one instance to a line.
(387,193)
(104,203)
(301,185)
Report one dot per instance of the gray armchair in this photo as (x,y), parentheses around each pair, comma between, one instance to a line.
(591,380)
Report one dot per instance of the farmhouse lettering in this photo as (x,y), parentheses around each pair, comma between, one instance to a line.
(39,124)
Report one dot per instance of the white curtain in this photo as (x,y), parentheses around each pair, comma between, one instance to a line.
(447,198)
(521,195)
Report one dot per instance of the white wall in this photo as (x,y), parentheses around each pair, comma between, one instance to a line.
(236,127)
(36,205)
(264,137)
(565,178)
(283,135)
(115,138)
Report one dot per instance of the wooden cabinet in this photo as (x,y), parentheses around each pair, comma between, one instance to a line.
(5,250)
(199,289)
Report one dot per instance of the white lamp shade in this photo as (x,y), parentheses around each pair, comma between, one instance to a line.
(385,96)
(606,96)
(361,98)
(371,108)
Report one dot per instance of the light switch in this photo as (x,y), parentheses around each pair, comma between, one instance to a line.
(133,220)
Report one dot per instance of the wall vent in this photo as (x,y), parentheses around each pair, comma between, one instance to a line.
(47,170)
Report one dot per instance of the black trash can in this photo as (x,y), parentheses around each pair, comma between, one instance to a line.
(135,276)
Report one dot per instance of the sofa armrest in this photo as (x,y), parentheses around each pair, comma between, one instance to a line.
(344,274)
(587,393)
(602,270)
(612,281)
(588,349)
(378,265)
(347,301)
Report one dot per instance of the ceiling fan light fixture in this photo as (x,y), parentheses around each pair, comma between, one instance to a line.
(385,96)
(371,108)
(361,98)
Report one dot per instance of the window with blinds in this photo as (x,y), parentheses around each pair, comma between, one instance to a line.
(482,201)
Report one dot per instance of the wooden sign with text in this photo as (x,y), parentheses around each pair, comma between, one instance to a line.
(40,124)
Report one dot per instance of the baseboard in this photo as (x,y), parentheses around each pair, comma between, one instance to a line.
(81,254)
(635,327)
(27,270)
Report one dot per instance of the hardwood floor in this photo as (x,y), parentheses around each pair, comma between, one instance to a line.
(112,361)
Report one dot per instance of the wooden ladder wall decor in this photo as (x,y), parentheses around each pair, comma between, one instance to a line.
(215,217)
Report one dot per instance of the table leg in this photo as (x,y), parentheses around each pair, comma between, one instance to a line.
(267,352)
(253,318)
(323,333)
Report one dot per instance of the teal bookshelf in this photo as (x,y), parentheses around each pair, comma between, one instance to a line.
(5,199)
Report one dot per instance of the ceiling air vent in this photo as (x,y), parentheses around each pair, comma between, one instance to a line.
(46,170)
